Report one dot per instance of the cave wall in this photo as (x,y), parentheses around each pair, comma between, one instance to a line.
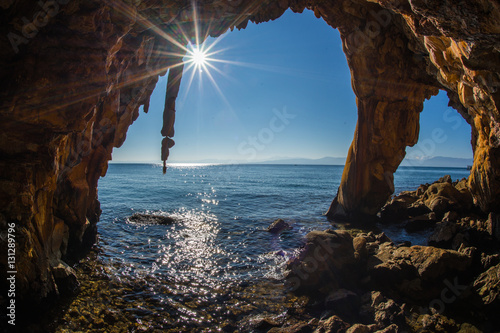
(74,73)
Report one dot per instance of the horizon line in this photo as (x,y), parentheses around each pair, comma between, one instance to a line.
(176,164)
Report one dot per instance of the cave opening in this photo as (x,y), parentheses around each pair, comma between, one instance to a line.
(203,102)
(71,89)
(444,133)
(234,100)
(294,63)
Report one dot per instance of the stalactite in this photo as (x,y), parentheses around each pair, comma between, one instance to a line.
(173,85)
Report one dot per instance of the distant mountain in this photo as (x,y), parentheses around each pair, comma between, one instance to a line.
(307,161)
(439,161)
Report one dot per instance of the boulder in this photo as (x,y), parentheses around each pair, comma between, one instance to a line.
(418,272)
(325,263)
(263,322)
(397,209)
(151,219)
(442,197)
(295,328)
(432,263)
(278,226)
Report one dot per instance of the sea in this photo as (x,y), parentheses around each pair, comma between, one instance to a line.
(219,240)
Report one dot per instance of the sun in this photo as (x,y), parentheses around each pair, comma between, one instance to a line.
(199,57)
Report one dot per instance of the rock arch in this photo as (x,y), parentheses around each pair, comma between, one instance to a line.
(74,74)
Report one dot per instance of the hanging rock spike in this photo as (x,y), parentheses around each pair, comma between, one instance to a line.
(173,85)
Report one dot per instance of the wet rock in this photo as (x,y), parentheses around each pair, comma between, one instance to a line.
(151,219)
(243,284)
(325,263)
(264,322)
(111,316)
(301,327)
(278,226)
(229,328)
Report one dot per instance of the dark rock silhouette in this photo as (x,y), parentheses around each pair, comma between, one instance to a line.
(151,219)
(278,226)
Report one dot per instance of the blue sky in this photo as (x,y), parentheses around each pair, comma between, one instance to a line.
(290,96)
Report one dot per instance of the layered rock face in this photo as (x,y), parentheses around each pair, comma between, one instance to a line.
(400,56)
(74,73)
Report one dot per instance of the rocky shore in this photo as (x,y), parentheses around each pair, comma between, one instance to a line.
(367,283)
(346,281)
